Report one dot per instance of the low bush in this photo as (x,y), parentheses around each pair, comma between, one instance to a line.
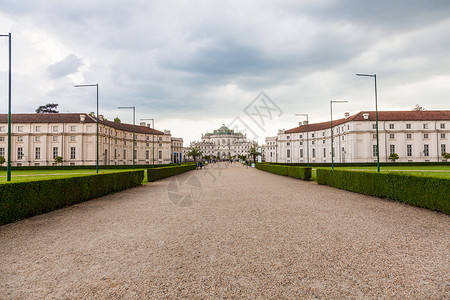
(164,172)
(19,200)
(295,172)
(427,192)
(78,167)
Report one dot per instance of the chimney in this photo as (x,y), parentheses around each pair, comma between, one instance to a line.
(305,122)
(148,125)
(346,115)
(82,118)
(142,124)
(100,117)
(366,116)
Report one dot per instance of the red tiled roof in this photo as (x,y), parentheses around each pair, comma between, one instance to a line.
(428,115)
(73,118)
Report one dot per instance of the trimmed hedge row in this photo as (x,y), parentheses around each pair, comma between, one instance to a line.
(101,167)
(20,200)
(420,191)
(295,172)
(362,164)
(164,172)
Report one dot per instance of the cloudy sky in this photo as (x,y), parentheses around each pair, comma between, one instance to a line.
(195,65)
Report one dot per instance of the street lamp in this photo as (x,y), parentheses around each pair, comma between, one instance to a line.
(376,115)
(331,125)
(307,133)
(96,85)
(153,140)
(8,168)
(134,117)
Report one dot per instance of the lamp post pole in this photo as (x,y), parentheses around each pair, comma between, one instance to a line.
(307,137)
(96,85)
(331,127)
(376,115)
(153,140)
(134,133)
(8,168)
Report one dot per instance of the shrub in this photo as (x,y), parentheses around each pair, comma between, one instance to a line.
(295,172)
(420,191)
(19,200)
(164,172)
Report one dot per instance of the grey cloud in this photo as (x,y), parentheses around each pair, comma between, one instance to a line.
(67,66)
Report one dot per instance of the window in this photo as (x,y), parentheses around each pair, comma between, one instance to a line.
(148,138)
(312,135)
(301,143)
(408,150)
(160,154)
(115,153)
(442,135)
(391,126)
(2,129)
(408,126)
(425,126)
(442,149)
(288,144)
(106,140)
(147,144)
(425,135)
(72,152)
(147,154)
(391,136)
(301,136)
(72,138)
(324,152)
(313,142)
(314,153)
(160,145)
(323,142)
(124,154)
(391,149)
(288,137)
(19,153)
(73,128)
(160,139)
(55,128)
(55,152)
(374,126)
(374,136)
(19,128)
(37,129)
(20,139)
(374,150)
(408,135)
(301,153)
(37,138)
(37,153)
(323,133)
(2,138)
(55,138)
(135,154)
(442,125)
(2,152)
(426,150)
(288,153)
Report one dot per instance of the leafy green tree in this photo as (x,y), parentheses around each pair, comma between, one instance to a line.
(58,160)
(207,157)
(393,157)
(2,160)
(194,153)
(49,108)
(92,114)
(254,153)
(446,155)
(117,120)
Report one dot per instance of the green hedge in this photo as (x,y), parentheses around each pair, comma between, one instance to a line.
(87,167)
(164,172)
(363,164)
(421,191)
(295,172)
(19,200)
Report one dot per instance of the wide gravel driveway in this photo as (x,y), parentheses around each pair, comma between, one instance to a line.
(228,232)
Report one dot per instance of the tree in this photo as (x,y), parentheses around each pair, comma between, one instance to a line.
(393,157)
(2,160)
(207,157)
(117,120)
(242,157)
(195,152)
(58,160)
(446,155)
(92,114)
(253,153)
(49,108)
(418,108)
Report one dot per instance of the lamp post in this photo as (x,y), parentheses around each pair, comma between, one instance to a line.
(96,85)
(134,117)
(153,140)
(8,168)
(307,134)
(376,115)
(331,126)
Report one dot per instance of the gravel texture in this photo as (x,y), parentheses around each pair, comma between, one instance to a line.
(229,232)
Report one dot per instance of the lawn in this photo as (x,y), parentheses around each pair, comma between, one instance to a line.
(30,175)
(430,171)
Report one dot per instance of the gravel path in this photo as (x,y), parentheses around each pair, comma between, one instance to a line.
(233,232)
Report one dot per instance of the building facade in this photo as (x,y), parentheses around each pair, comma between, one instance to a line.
(416,136)
(37,139)
(224,144)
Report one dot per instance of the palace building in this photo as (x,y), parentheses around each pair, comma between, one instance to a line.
(37,139)
(416,136)
(224,143)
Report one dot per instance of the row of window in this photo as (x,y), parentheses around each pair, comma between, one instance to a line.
(409,126)
(426,149)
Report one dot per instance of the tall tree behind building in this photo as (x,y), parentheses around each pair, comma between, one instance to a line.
(49,108)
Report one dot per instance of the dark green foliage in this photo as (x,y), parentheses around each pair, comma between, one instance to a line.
(374,164)
(421,191)
(91,167)
(19,200)
(164,172)
(47,108)
(295,172)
